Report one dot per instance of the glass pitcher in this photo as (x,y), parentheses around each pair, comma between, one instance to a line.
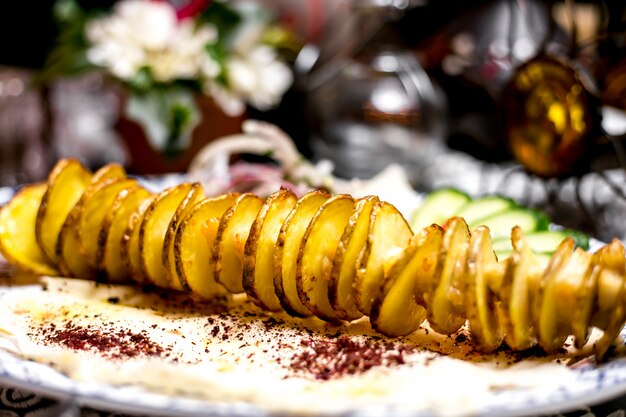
(370,102)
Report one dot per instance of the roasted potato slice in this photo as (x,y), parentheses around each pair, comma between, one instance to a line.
(193,243)
(154,225)
(481,303)
(110,257)
(17,231)
(342,275)
(315,257)
(389,233)
(395,311)
(446,295)
(195,195)
(92,214)
(611,284)
(546,303)
(519,284)
(107,172)
(230,240)
(258,256)
(66,183)
(71,260)
(287,248)
(131,255)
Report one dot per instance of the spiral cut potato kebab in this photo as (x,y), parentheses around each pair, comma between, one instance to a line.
(334,257)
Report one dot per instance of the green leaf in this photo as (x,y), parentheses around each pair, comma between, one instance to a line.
(142,81)
(167,116)
(218,52)
(222,16)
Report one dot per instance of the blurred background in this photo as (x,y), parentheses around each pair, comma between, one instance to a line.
(517,97)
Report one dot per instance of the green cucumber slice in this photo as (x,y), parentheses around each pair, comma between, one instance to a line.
(484,207)
(438,207)
(545,241)
(501,224)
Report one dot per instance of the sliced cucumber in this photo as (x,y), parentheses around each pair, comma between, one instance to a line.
(501,224)
(500,214)
(484,207)
(545,241)
(438,207)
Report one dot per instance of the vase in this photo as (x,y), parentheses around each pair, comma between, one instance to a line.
(144,159)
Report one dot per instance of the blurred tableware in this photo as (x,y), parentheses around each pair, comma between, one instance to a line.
(24,154)
(370,101)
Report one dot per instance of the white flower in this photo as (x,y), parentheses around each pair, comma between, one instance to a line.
(149,24)
(147,34)
(259,77)
(144,33)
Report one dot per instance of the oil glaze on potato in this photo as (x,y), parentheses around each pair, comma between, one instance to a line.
(258,259)
(230,241)
(66,184)
(17,231)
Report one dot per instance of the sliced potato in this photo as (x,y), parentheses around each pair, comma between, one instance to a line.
(446,295)
(389,233)
(258,257)
(546,303)
(92,214)
(153,228)
(17,231)
(316,254)
(131,255)
(351,244)
(107,172)
(480,302)
(395,311)
(110,255)
(193,243)
(71,260)
(287,248)
(195,195)
(230,240)
(66,183)
(587,293)
(519,285)
(611,280)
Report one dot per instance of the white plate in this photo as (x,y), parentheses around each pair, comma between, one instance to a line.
(586,385)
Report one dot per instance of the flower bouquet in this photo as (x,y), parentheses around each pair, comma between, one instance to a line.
(169,59)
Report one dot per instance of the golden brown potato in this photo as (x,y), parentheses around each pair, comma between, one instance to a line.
(611,296)
(193,243)
(258,258)
(317,251)
(66,183)
(196,194)
(287,248)
(153,228)
(131,255)
(92,214)
(230,241)
(17,231)
(481,304)
(446,290)
(351,244)
(110,254)
(71,261)
(389,233)
(395,311)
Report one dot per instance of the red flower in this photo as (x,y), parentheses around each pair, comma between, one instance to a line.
(191,9)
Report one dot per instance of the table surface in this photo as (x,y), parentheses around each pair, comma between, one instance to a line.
(20,403)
